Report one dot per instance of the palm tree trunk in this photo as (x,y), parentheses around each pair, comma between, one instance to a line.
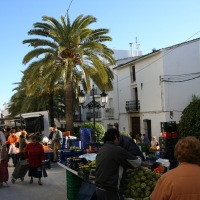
(51,109)
(69,104)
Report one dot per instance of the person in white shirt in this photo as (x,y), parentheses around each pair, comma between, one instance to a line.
(154,141)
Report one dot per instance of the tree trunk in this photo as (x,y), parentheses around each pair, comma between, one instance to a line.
(51,109)
(69,104)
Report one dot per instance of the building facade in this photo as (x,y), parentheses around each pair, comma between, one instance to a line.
(155,88)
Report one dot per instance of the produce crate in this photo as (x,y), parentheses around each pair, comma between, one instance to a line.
(167,146)
(168,126)
(85,136)
(73,185)
(173,134)
(168,141)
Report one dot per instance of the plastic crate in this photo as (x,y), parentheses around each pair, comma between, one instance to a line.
(85,136)
(168,126)
(75,142)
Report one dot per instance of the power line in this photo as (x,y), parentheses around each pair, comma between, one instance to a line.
(179,79)
(68,8)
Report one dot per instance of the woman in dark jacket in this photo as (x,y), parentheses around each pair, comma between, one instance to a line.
(34,153)
(22,144)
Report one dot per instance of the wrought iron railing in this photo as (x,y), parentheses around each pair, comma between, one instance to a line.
(132,106)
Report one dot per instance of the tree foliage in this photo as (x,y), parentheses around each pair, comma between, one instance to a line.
(66,51)
(189,124)
(22,103)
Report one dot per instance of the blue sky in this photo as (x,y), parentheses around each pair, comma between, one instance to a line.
(156,24)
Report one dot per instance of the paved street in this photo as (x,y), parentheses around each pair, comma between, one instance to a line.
(54,186)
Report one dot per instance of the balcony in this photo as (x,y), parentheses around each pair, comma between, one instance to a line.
(133,106)
(109,112)
(89,115)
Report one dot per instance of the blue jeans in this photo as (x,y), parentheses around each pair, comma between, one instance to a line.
(15,159)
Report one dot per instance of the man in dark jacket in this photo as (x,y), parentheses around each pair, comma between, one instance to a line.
(111,161)
(128,144)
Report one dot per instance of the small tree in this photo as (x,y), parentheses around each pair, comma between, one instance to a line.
(100,131)
(189,124)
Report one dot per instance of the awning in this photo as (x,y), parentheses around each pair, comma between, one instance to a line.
(29,115)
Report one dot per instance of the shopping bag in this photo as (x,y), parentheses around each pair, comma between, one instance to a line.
(45,140)
(44,172)
(12,149)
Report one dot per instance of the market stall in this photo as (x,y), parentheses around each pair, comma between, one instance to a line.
(79,186)
(76,156)
(79,162)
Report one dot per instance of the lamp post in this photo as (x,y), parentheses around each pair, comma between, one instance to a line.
(93,104)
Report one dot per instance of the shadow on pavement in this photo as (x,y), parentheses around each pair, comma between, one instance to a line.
(54,186)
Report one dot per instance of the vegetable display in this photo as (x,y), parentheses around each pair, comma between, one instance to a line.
(139,183)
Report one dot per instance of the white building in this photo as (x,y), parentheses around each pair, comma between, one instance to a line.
(154,88)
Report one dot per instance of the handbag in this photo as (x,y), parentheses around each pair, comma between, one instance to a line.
(44,172)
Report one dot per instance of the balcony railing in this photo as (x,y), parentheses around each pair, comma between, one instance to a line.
(89,115)
(132,106)
(109,112)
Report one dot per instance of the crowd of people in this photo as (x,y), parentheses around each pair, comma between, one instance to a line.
(143,138)
(118,153)
(20,147)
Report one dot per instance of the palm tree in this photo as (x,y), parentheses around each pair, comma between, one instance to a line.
(65,49)
(21,103)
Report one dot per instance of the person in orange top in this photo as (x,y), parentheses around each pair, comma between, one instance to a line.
(182,182)
(13,151)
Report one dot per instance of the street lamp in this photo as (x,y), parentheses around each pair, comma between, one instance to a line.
(93,104)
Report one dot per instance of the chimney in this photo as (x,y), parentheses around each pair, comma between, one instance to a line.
(131,50)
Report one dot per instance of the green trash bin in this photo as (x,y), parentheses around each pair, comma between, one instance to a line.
(73,185)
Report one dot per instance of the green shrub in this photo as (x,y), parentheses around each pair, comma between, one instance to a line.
(189,124)
(100,131)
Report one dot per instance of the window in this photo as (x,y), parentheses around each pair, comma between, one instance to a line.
(132,74)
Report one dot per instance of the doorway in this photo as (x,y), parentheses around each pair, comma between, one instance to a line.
(135,125)
(147,128)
